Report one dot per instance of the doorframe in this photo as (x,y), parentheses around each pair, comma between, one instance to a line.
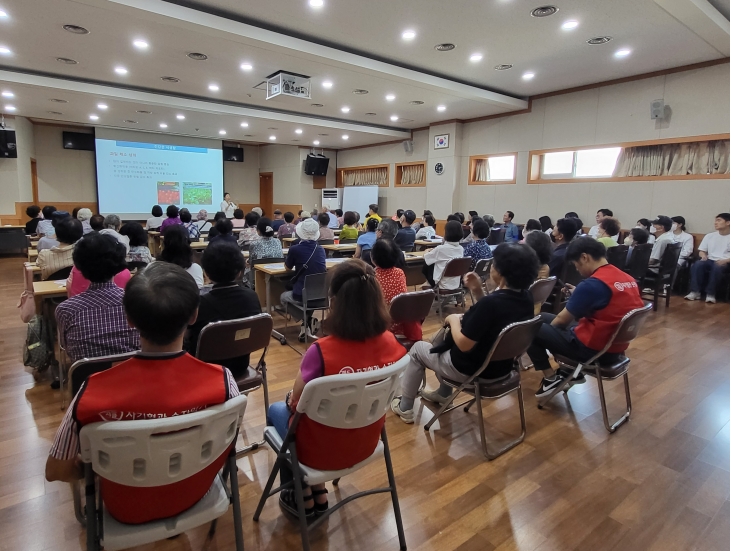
(34,179)
(270,175)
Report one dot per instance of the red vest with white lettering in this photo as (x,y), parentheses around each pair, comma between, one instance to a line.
(328,448)
(147,387)
(594,331)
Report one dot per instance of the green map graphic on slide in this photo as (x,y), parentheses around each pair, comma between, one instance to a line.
(197,193)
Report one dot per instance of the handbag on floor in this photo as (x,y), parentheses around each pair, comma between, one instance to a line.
(38,351)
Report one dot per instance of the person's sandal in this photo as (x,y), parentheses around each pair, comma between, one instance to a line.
(320,507)
(288,502)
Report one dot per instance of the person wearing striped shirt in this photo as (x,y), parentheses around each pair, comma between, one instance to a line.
(68,232)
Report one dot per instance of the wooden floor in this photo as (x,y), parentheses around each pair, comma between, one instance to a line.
(660,483)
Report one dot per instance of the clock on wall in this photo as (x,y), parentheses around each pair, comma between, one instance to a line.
(439,168)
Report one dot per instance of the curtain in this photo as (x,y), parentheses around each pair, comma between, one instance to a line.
(366,177)
(412,175)
(481,171)
(674,159)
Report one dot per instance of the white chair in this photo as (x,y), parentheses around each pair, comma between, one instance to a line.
(350,401)
(160,452)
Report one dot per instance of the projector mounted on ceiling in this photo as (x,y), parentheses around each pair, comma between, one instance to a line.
(288,84)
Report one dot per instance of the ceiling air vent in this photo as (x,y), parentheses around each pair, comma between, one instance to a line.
(54,112)
(444,47)
(599,40)
(370,114)
(196,56)
(503,67)
(544,11)
(316,105)
(130,121)
(360,92)
(416,102)
(66,60)
(75,29)
(56,100)
(170,79)
(143,112)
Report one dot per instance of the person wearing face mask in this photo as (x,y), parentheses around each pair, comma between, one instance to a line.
(682,237)
(646,225)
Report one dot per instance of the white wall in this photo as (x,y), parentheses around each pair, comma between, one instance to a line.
(241,180)
(63,174)
(309,197)
(15,176)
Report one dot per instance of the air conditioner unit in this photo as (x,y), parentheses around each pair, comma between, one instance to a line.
(332,198)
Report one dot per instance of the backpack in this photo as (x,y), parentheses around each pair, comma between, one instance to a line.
(38,350)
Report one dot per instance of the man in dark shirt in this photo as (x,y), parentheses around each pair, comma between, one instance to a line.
(406,235)
(278,220)
(34,212)
(515,267)
(227,300)
(563,232)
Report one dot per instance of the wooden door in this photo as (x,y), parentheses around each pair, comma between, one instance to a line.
(266,193)
(34,180)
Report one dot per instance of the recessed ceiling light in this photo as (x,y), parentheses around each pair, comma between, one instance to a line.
(3,14)
(474,58)
(272,138)
(163,125)
(222,132)
(102,106)
(503,67)
(316,3)
(120,70)
(599,40)
(5,51)
(244,125)
(327,84)
(390,97)
(528,76)
(544,11)
(246,66)
(196,56)
(10,108)
(394,118)
(180,117)
(7,94)
(298,131)
(445,47)
(345,109)
(94,117)
(624,52)
(441,108)
(345,136)
(569,25)
(213,87)
(144,112)
(408,35)
(75,29)
(140,44)
(316,142)
(170,79)
(66,60)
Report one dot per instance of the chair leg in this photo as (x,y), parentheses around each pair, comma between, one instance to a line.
(443,409)
(235,500)
(469,405)
(78,508)
(268,487)
(481,423)
(543,401)
(299,497)
(92,541)
(625,417)
(656,293)
(336,482)
(394,494)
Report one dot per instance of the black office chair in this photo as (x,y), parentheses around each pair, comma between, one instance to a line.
(663,280)
(496,237)
(639,262)
(411,307)
(314,298)
(617,256)
(63,273)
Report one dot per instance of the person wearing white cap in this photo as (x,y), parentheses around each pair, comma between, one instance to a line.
(305,258)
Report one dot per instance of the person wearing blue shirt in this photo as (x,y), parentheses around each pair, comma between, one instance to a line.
(333,224)
(365,242)
(512,234)
(478,249)
(406,235)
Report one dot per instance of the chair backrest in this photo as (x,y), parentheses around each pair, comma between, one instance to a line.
(639,261)
(627,329)
(414,306)
(196,256)
(136,265)
(352,400)
(82,369)
(457,267)
(406,248)
(541,289)
(326,242)
(617,256)
(63,273)
(224,340)
(348,241)
(514,340)
(482,268)
(570,274)
(315,288)
(160,452)
(496,236)
(669,260)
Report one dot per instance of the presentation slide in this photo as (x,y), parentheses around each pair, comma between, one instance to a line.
(134,176)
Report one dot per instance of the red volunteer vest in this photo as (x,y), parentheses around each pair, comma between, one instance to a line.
(595,331)
(149,388)
(328,448)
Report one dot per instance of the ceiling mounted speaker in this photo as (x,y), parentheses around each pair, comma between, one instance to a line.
(409,146)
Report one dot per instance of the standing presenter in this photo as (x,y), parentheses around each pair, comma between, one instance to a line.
(228,206)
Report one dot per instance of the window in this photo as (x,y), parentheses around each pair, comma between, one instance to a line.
(374,175)
(592,163)
(492,169)
(561,162)
(410,174)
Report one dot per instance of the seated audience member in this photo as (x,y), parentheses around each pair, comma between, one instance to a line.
(84,215)
(186,220)
(156,220)
(138,249)
(579,224)
(513,270)
(478,249)
(637,236)
(713,263)
(34,213)
(530,226)
(223,263)
(112,225)
(645,224)
(248,234)
(490,219)
(428,230)
(339,214)
(608,233)
(512,234)
(563,232)
(594,310)
(299,217)
(388,229)
(92,323)
(684,238)
(385,257)
(436,259)
(224,232)
(287,229)
(600,215)
(68,232)
(213,232)
(355,343)
(325,231)
(546,225)
(543,248)
(361,227)
(406,235)
(419,222)
(258,211)
(238,220)
(97,222)
(305,258)
(267,246)
(397,217)
(333,224)
(173,218)
(366,241)
(204,226)
(278,220)
(663,237)
(304,215)
(177,251)
(50,241)
(350,226)
(45,226)
(159,303)
(372,212)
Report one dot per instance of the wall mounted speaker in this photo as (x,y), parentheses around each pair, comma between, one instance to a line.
(409,146)
(657,109)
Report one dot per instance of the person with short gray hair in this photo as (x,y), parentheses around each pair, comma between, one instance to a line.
(386,228)
(112,223)
(83,216)
(490,219)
